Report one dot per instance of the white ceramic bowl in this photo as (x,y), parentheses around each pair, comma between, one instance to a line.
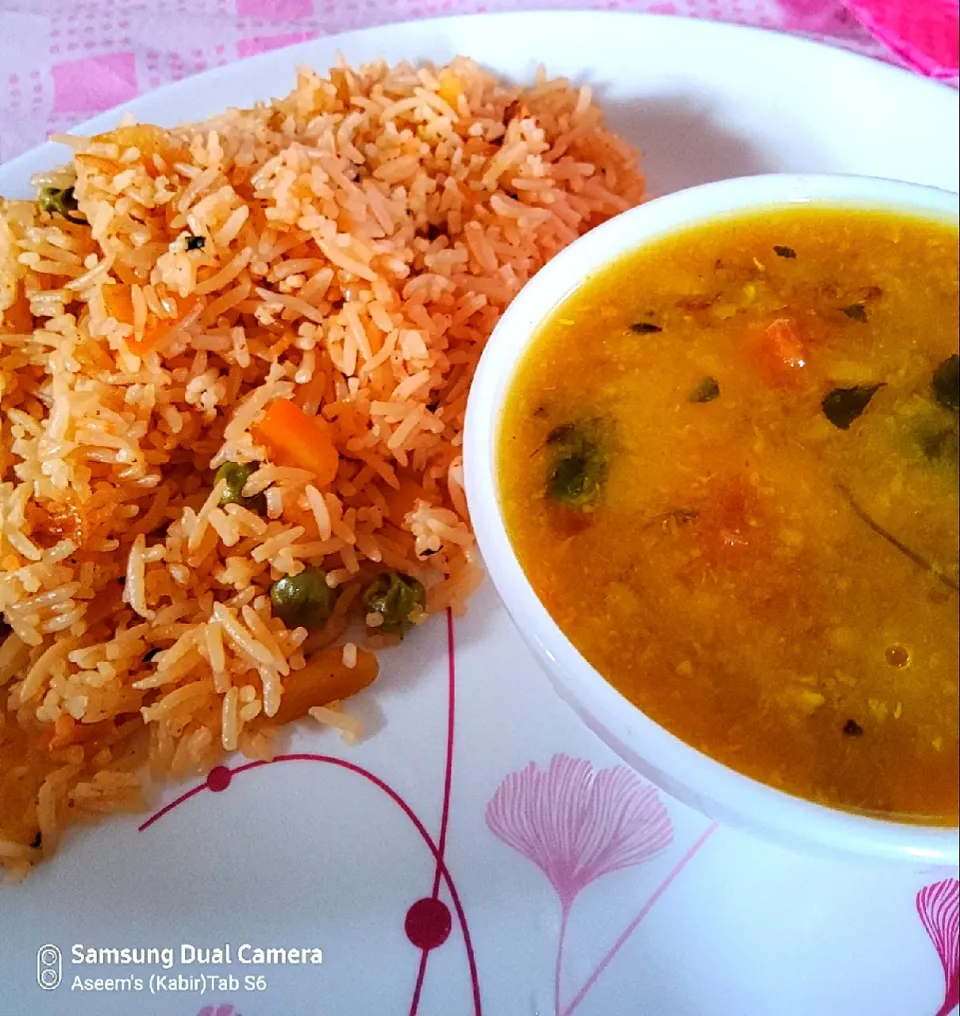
(673,765)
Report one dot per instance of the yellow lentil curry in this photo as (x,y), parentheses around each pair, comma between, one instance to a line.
(729,468)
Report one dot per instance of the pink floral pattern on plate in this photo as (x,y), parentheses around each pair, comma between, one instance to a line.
(939,908)
(577,824)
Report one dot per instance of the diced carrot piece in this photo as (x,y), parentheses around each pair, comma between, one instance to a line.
(144,136)
(727,537)
(782,354)
(341,81)
(403,500)
(104,604)
(51,522)
(129,276)
(566,522)
(323,680)
(88,161)
(118,303)
(348,420)
(451,87)
(295,439)
(149,140)
(280,346)
(313,390)
(403,541)
(67,731)
(17,319)
(160,328)
(786,344)
(63,728)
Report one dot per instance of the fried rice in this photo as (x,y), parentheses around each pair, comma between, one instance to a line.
(303,288)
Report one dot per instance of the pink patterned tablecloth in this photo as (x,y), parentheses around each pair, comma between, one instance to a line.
(61,61)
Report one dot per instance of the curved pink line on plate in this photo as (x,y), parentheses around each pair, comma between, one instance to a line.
(404,807)
(632,926)
(451,716)
(939,908)
(447,784)
(169,807)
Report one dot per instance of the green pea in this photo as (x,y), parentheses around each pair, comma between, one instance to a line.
(394,596)
(59,201)
(304,600)
(705,390)
(576,479)
(236,474)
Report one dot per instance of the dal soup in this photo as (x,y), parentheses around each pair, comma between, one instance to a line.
(729,468)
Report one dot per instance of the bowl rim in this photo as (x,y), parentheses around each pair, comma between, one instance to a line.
(688,774)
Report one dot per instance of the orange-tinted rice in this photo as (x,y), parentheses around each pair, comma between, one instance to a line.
(360,239)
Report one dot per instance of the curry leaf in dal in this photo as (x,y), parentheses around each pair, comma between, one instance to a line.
(946,383)
(856,312)
(844,405)
(578,464)
(942,445)
(561,433)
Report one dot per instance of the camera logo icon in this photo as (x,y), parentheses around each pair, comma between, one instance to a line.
(49,967)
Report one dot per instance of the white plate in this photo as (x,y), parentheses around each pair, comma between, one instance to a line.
(313,853)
